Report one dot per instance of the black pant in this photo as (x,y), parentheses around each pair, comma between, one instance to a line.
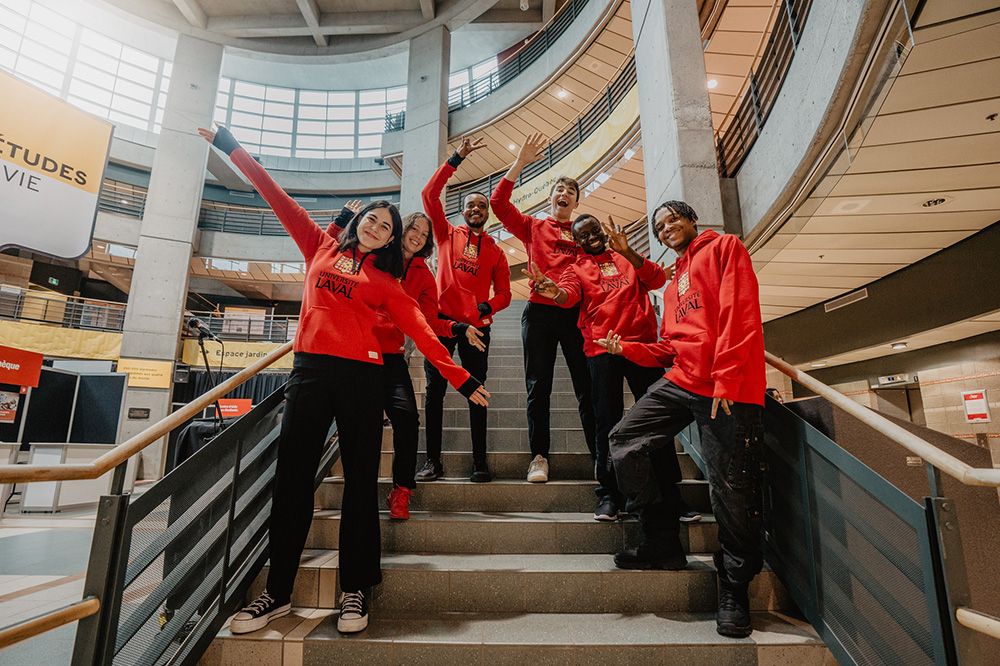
(351,392)
(542,328)
(608,373)
(645,460)
(476,363)
(401,408)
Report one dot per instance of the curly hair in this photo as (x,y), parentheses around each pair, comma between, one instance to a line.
(388,258)
(678,207)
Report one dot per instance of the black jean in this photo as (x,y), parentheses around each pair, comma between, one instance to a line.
(351,392)
(645,460)
(608,374)
(476,363)
(401,408)
(543,327)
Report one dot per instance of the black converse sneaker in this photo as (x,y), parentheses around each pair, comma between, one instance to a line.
(256,616)
(353,612)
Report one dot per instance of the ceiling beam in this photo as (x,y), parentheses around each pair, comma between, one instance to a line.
(193,12)
(427,9)
(310,12)
(293,25)
(548,10)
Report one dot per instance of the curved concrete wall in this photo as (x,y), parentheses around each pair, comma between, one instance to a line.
(828,59)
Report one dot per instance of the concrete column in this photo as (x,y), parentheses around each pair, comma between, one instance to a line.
(166,236)
(677,137)
(425,136)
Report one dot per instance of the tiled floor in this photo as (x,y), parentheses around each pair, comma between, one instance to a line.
(42,563)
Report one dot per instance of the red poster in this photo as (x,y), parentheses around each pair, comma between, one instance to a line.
(19,367)
(977,407)
(233,407)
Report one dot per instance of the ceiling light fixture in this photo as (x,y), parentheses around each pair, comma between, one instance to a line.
(898,345)
(511,147)
(930,203)
(712,84)
(124,202)
(562,94)
(818,364)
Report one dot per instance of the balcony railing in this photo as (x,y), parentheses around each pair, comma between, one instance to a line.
(66,311)
(508,70)
(250,327)
(760,89)
(603,106)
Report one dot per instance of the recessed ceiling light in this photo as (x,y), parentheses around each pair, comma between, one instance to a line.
(818,364)
(712,84)
(124,202)
(898,345)
(930,203)
(562,94)
(511,147)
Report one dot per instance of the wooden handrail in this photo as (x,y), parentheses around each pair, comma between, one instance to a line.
(16,633)
(981,622)
(952,466)
(132,446)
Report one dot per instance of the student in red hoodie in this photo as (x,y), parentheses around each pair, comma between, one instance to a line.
(712,336)
(337,373)
(469,263)
(611,283)
(544,325)
(400,399)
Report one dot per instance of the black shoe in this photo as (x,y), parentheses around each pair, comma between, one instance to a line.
(431,471)
(689,516)
(733,617)
(262,610)
(607,510)
(353,612)
(480,473)
(645,557)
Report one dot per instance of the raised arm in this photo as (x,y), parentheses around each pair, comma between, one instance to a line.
(293,217)
(510,217)
(431,194)
(344,217)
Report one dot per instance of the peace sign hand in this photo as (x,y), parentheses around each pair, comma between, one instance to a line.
(543,285)
(617,240)
(470,146)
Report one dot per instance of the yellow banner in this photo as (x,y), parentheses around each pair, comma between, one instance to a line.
(58,341)
(582,158)
(238,354)
(146,373)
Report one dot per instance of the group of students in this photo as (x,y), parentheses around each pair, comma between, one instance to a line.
(367,285)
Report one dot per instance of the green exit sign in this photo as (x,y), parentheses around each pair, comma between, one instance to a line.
(54,281)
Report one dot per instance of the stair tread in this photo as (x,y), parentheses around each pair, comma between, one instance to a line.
(498,517)
(464,481)
(531,629)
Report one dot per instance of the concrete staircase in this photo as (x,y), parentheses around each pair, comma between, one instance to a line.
(517,573)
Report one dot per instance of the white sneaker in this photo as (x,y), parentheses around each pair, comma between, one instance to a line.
(353,612)
(257,615)
(538,470)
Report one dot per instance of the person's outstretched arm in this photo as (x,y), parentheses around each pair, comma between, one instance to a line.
(293,217)
(659,354)
(510,217)
(431,194)
(344,217)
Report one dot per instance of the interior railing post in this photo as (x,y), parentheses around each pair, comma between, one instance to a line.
(790,17)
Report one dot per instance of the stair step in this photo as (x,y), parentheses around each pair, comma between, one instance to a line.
(507,417)
(506,533)
(505,384)
(536,583)
(514,399)
(509,496)
(563,440)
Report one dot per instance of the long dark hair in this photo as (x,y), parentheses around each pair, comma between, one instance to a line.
(409,222)
(388,258)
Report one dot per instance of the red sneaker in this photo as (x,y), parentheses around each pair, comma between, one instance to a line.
(399,502)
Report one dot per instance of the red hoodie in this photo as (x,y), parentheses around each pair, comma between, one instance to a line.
(343,291)
(712,331)
(418,283)
(467,263)
(549,242)
(613,296)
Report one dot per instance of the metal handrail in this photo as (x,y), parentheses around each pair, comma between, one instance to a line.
(20,304)
(40,624)
(133,445)
(952,466)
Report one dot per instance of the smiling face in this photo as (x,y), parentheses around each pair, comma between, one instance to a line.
(375,230)
(563,198)
(674,230)
(476,211)
(415,236)
(589,235)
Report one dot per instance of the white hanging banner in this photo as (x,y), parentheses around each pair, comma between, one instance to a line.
(52,160)
(977,407)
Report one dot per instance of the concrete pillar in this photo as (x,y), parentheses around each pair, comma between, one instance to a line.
(677,138)
(166,235)
(425,136)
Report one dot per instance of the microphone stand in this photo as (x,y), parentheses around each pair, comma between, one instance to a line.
(219,423)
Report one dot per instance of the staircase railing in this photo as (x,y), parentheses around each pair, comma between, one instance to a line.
(167,567)
(880,575)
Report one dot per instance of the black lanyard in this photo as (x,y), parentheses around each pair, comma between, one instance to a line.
(406,268)
(479,241)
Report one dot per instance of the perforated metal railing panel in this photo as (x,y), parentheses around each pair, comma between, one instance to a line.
(854,551)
